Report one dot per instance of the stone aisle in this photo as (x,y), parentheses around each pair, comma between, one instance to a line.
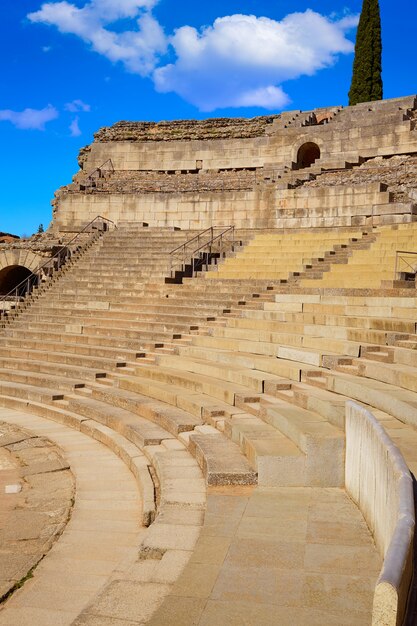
(265,556)
(102,536)
(277,557)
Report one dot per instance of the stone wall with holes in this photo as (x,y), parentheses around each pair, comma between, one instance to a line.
(196,173)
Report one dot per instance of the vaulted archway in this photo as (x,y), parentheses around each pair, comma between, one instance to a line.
(11,277)
(307,154)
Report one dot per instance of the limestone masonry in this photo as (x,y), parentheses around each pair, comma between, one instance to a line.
(254,173)
(225,359)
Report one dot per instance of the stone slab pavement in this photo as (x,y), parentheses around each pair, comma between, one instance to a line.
(102,535)
(264,557)
(282,556)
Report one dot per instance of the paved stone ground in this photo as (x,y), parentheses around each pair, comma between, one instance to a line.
(102,535)
(287,556)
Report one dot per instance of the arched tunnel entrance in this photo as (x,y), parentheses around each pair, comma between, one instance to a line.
(307,154)
(12,276)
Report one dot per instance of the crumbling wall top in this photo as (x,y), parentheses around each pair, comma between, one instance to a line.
(183,130)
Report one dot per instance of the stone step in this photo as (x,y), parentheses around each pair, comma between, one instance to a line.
(215,388)
(250,354)
(46,367)
(43,395)
(277,460)
(72,347)
(321,442)
(172,419)
(393,373)
(162,312)
(378,353)
(240,354)
(129,453)
(143,335)
(41,380)
(62,358)
(303,355)
(394,400)
(221,461)
(327,404)
(77,326)
(136,429)
(102,345)
(197,404)
(251,378)
(216,469)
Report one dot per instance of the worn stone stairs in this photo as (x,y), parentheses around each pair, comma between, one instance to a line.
(225,380)
(274,256)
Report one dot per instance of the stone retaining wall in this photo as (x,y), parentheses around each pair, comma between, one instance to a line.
(338,206)
(378,480)
(194,174)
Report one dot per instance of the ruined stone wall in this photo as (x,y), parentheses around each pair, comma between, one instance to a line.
(194,174)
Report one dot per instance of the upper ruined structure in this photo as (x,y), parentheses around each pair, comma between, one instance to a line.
(328,167)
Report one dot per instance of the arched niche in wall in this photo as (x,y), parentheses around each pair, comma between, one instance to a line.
(307,154)
(11,277)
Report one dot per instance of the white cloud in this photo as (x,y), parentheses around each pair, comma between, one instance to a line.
(46,48)
(30,119)
(137,49)
(75,128)
(242,60)
(77,105)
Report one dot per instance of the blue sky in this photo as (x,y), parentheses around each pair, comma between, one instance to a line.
(70,67)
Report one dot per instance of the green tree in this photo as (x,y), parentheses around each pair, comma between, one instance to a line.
(367,66)
(40,229)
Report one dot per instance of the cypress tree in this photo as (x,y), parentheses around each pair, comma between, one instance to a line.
(367,80)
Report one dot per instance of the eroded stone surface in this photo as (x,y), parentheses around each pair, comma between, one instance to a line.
(34,514)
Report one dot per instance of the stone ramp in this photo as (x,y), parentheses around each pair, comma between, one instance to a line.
(276,556)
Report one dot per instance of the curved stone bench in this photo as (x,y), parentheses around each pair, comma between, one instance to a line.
(378,480)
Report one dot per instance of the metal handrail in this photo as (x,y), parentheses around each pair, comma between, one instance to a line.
(98,169)
(399,257)
(55,262)
(89,179)
(183,245)
(180,256)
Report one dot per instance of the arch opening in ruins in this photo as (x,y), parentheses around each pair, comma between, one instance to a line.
(307,154)
(11,277)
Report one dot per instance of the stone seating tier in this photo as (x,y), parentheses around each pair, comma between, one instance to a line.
(251,381)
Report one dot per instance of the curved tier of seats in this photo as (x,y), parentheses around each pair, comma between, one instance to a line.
(371,268)
(275,256)
(246,376)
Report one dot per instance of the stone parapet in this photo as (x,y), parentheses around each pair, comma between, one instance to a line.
(378,480)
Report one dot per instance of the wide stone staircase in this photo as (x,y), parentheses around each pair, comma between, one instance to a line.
(241,368)
(387,263)
(212,362)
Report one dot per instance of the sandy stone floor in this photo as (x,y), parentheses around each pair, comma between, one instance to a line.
(102,535)
(269,557)
(265,557)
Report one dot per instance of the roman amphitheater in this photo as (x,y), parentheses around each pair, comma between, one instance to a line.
(208,378)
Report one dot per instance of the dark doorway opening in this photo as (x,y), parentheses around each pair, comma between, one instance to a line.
(11,277)
(307,154)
